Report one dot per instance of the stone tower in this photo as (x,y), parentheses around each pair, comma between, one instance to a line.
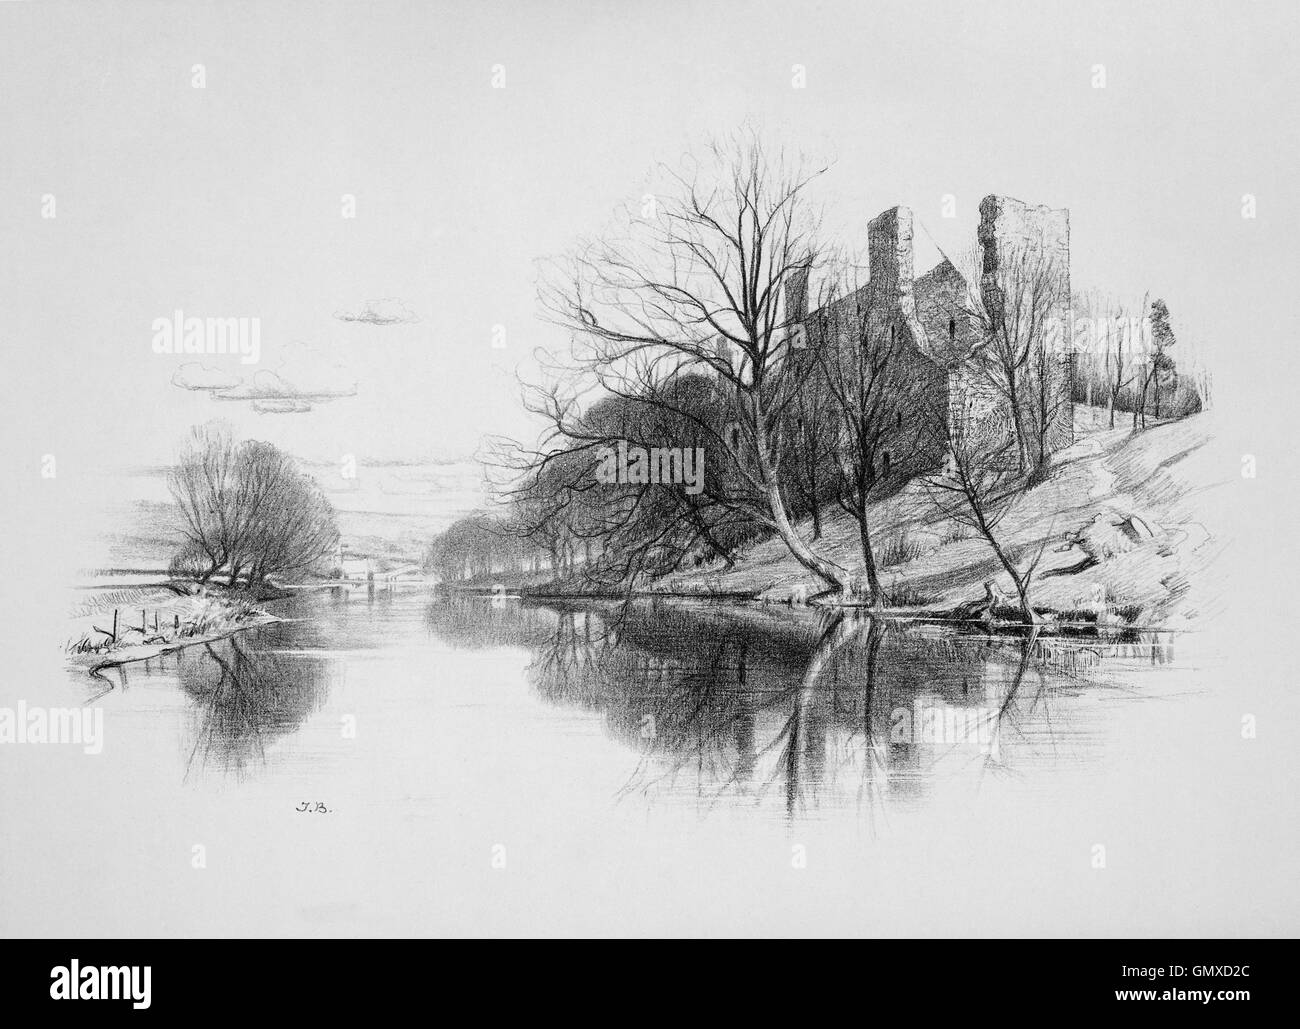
(889,262)
(1008,227)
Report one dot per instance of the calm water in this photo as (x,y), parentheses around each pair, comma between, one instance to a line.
(409,763)
(785,713)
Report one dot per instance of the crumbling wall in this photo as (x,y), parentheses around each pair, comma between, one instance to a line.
(889,261)
(916,432)
(977,407)
(796,296)
(940,296)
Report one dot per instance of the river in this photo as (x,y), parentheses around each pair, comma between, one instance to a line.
(403,762)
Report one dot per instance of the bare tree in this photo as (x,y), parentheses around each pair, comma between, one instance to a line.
(1118,354)
(296,531)
(202,484)
(1134,337)
(812,448)
(700,286)
(262,472)
(1013,314)
(977,487)
(628,530)
(247,508)
(861,367)
(1050,386)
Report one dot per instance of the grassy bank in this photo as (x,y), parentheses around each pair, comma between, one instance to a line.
(1123,522)
(118,625)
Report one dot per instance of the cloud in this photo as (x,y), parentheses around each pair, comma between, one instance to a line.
(301,380)
(279,406)
(385,311)
(192,375)
(269,385)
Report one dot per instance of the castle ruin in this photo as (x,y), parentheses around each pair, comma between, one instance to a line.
(940,373)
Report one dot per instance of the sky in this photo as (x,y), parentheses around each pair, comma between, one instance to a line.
(478,139)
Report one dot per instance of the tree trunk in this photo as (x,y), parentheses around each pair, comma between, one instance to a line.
(1151,379)
(215,567)
(1022,586)
(832,574)
(869,560)
(1018,419)
(812,494)
(1040,459)
(1026,611)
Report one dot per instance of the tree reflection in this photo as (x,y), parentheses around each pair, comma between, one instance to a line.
(741,703)
(244,697)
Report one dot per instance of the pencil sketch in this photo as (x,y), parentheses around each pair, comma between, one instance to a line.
(970,466)
(761,499)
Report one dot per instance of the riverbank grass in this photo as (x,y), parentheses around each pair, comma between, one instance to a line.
(118,626)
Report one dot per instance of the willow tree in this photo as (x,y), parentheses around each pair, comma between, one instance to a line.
(247,508)
(695,280)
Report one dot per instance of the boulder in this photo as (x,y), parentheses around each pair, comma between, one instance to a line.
(1111,533)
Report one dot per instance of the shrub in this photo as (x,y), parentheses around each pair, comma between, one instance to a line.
(898,550)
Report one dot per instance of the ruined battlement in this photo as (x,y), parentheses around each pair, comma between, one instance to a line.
(889,251)
(1008,225)
(930,319)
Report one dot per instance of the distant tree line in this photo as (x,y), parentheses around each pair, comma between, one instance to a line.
(481,545)
(1125,362)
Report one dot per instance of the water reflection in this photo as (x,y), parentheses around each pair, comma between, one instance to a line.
(738,704)
(765,706)
(246,692)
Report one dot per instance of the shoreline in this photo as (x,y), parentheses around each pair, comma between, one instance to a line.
(148,651)
(1122,545)
(184,615)
(1053,624)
